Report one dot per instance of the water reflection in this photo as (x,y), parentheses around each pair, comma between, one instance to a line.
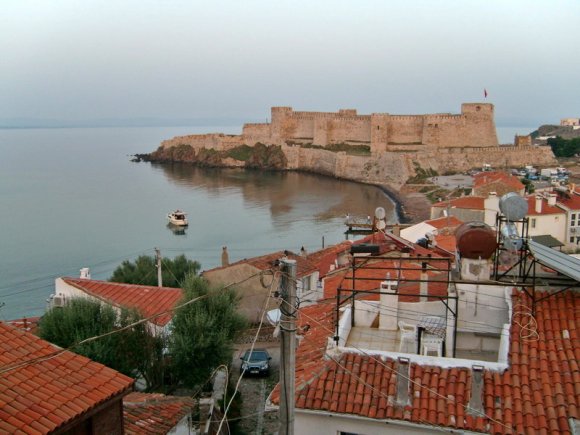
(288,195)
(177,230)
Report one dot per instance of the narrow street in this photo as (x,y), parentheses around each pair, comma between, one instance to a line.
(255,390)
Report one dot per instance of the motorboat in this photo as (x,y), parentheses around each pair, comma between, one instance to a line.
(178,218)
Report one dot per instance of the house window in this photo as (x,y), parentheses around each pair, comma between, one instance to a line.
(573,220)
(533,222)
(571,239)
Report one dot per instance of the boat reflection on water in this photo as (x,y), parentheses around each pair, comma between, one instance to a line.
(177,230)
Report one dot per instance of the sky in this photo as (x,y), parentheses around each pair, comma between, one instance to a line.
(185,59)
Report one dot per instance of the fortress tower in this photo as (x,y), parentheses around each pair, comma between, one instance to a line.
(474,127)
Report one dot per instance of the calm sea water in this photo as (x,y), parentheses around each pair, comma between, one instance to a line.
(71,198)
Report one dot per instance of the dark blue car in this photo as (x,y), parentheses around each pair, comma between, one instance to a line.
(256,362)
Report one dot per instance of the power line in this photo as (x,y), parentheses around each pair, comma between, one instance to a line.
(4,369)
(264,307)
(378,360)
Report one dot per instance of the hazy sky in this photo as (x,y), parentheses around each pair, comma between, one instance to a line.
(90,59)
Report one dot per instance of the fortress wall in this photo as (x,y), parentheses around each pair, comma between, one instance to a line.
(404,129)
(463,159)
(389,168)
(217,141)
(346,129)
(253,133)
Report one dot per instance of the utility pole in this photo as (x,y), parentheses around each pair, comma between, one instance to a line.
(158,264)
(287,345)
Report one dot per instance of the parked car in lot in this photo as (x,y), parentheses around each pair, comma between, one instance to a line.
(256,362)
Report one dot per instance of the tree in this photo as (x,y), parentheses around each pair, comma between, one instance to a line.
(144,271)
(134,352)
(564,147)
(203,331)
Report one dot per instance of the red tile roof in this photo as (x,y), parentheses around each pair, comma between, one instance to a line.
(444,222)
(304,267)
(154,414)
(149,300)
(41,389)
(538,393)
(446,242)
(369,279)
(484,178)
(545,210)
(571,201)
(468,202)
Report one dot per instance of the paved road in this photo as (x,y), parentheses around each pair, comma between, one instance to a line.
(255,390)
(453,181)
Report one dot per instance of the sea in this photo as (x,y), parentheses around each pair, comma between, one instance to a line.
(72,198)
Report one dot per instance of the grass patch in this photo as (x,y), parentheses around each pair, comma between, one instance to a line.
(421,174)
(241,153)
(353,150)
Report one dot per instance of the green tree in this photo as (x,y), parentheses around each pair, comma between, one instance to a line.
(144,271)
(203,331)
(134,352)
(564,147)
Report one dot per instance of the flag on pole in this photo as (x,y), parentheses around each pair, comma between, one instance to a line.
(484,93)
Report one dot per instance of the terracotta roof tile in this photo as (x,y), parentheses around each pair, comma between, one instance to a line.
(467,202)
(46,394)
(545,209)
(154,414)
(444,222)
(485,178)
(148,300)
(536,394)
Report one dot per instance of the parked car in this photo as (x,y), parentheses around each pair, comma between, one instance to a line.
(256,362)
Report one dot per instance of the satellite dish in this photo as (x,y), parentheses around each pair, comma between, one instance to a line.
(381,225)
(380,213)
(513,206)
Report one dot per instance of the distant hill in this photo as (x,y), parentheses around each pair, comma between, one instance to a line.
(564,131)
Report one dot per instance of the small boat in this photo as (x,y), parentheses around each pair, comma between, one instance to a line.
(178,218)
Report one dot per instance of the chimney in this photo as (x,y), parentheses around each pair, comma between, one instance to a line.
(552,199)
(225,257)
(303,252)
(85,273)
(538,203)
(476,400)
(424,285)
(396,230)
(402,398)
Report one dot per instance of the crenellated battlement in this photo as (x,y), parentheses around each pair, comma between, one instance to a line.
(473,128)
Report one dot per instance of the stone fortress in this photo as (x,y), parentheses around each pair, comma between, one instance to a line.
(398,143)
(474,127)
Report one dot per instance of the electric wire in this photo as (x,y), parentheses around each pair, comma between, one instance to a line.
(263,313)
(9,367)
(378,360)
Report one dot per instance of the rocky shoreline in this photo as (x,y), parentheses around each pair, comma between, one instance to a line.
(410,206)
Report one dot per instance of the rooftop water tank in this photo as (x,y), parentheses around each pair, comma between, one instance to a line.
(513,206)
(475,240)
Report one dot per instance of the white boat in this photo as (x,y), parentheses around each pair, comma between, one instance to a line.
(178,218)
